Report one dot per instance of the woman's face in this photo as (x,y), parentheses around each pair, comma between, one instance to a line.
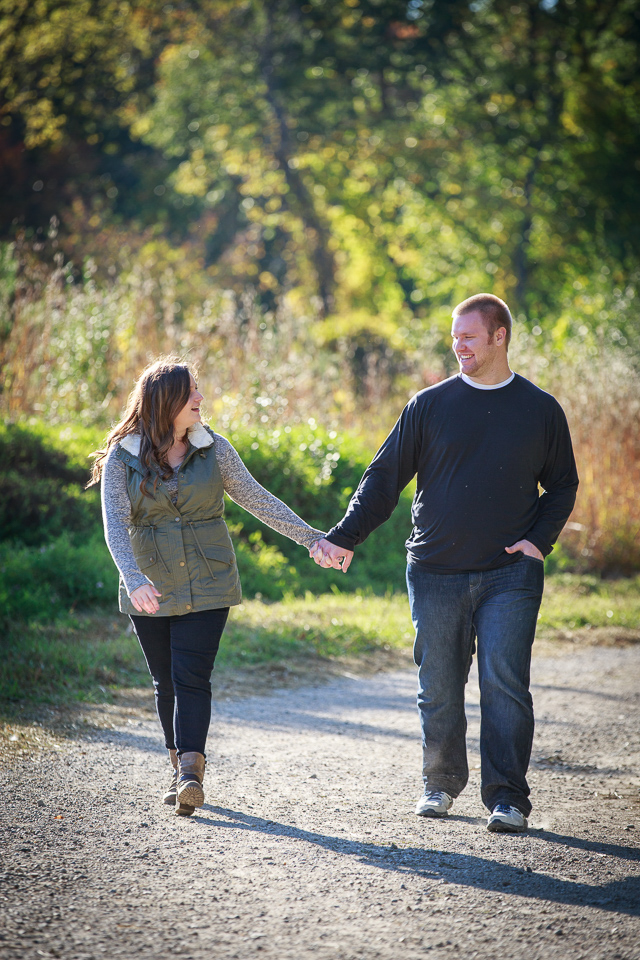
(190,413)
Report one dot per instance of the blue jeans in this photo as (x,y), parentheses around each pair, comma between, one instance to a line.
(180,653)
(499,609)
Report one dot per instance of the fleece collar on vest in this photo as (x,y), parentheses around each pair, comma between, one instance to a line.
(197,435)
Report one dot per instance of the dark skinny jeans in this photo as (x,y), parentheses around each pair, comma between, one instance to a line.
(180,653)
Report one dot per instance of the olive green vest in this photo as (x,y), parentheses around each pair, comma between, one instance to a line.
(183,548)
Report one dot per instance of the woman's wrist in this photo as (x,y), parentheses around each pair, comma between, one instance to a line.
(134,583)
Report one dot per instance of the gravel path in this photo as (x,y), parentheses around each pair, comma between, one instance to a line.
(308,844)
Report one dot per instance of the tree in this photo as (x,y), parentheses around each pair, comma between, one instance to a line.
(376,159)
(73,74)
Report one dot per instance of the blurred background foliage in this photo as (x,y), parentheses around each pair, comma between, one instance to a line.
(53,558)
(294,195)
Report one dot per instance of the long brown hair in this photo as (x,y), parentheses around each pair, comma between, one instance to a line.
(161,391)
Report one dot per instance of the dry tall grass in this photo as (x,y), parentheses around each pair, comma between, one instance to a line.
(599,389)
(74,351)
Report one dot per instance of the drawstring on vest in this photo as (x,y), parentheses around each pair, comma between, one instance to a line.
(155,547)
(202,554)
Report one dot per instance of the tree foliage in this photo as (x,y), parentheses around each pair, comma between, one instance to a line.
(367,162)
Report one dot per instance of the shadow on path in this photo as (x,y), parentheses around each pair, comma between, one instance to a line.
(601,694)
(622,896)
(592,846)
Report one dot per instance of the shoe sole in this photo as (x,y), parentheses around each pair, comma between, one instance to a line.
(191,795)
(433,814)
(184,810)
(497,826)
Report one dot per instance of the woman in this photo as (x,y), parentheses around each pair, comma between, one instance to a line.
(164,474)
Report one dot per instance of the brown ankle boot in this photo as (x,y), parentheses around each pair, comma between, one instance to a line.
(190,779)
(170,796)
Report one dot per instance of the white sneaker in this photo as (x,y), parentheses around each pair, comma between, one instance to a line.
(506,819)
(434,803)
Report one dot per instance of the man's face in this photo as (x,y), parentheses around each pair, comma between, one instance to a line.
(475,350)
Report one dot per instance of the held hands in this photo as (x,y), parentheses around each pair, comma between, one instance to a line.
(328,555)
(527,548)
(144,598)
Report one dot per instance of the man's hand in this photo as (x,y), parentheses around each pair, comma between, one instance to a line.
(527,548)
(328,555)
(144,598)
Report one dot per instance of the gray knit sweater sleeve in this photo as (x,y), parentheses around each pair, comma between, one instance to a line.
(116,514)
(248,493)
(238,484)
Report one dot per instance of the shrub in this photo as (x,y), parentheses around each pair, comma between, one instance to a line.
(45,572)
(41,487)
(40,583)
(315,472)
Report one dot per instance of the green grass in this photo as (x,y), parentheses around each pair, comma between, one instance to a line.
(83,658)
(329,625)
(89,657)
(572,601)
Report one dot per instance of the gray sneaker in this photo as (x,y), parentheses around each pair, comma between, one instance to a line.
(434,803)
(506,819)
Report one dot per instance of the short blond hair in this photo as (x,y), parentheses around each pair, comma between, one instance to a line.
(494,312)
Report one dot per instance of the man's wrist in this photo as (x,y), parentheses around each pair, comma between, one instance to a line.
(339,541)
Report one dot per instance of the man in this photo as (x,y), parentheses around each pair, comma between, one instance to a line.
(482,444)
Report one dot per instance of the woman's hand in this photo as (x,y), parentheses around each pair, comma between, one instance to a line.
(327,554)
(144,598)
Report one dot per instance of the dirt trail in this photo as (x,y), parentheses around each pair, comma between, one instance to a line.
(308,844)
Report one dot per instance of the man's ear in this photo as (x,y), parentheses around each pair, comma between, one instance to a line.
(500,336)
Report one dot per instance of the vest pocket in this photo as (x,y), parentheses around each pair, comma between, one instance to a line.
(218,573)
(219,554)
(144,549)
(218,563)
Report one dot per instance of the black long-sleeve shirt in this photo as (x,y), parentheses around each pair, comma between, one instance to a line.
(479,456)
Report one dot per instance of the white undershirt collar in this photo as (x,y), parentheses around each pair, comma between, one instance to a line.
(486,386)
